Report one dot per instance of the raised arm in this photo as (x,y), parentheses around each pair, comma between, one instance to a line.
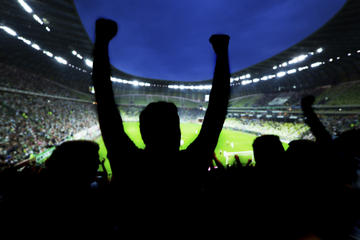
(215,115)
(312,120)
(116,141)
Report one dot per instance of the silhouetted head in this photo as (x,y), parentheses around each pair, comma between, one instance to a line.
(268,150)
(160,127)
(74,161)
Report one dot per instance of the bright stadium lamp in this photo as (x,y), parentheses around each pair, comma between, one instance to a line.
(47,29)
(36,17)
(317,64)
(61,60)
(280,74)
(26,7)
(89,63)
(319,50)
(74,52)
(35,46)
(28,42)
(255,80)
(49,54)
(291,71)
(8,31)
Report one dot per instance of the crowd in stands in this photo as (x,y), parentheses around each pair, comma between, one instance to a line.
(30,124)
(287,131)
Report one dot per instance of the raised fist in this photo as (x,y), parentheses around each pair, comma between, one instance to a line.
(105,29)
(307,102)
(220,43)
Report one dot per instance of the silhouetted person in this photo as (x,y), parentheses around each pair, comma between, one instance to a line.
(69,202)
(268,151)
(160,178)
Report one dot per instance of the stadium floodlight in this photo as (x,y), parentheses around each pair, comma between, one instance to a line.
(284,64)
(8,31)
(245,82)
(298,59)
(291,71)
(358,51)
(271,76)
(349,54)
(255,80)
(338,58)
(61,60)
(49,54)
(47,29)
(74,52)
(264,78)
(28,42)
(311,53)
(248,75)
(303,68)
(89,63)
(319,50)
(275,67)
(35,46)
(79,56)
(26,7)
(330,60)
(36,17)
(317,64)
(280,74)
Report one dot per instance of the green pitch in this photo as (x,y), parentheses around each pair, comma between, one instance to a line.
(230,142)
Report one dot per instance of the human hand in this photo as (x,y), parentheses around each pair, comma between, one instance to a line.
(220,43)
(307,102)
(105,29)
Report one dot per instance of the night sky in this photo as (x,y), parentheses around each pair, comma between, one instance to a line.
(168,39)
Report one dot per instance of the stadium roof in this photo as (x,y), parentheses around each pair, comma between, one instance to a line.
(55,27)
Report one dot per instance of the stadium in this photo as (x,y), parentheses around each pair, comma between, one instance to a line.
(47,96)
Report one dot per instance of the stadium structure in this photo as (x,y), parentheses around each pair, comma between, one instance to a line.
(48,40)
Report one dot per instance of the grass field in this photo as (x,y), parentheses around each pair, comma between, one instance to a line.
(230,142)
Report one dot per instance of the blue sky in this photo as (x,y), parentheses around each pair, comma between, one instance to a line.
(168,39)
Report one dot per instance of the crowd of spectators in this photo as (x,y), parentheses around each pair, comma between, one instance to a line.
(31,124)
(287,131)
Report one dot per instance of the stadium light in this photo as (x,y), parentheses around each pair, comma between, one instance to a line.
(26,7)
(28,42)
(35,46)
(358,51)
(303,68)
(36,17)
(298,59)
(74,52)
(79,56)
(9,31)
(255,80)
(47,29)
(291,71)
(330,60)
(349,54)
(264,78)
(317,64)
(275,67)
(319,50)
(280,74)
(61,60)
(89,63)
